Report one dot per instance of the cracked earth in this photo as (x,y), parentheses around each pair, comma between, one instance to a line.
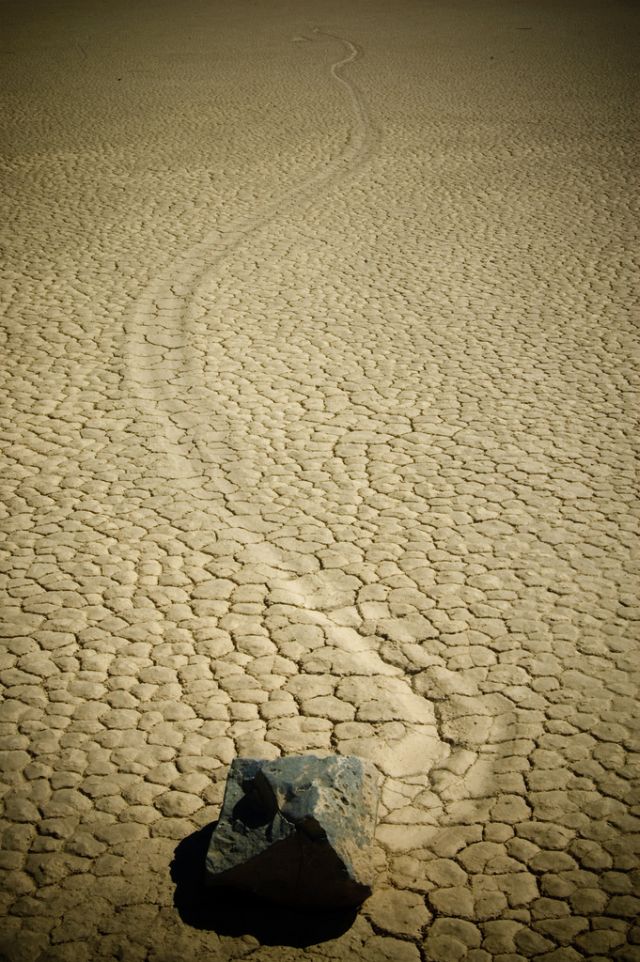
(318,386)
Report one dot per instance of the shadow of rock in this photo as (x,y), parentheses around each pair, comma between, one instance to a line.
(235,914)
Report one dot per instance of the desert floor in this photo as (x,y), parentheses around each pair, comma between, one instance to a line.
(318,398)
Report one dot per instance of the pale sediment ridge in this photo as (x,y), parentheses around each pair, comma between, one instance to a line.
(319,371)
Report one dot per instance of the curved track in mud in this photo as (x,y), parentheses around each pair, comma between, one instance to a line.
(174,352)
(177,362)
(160,316)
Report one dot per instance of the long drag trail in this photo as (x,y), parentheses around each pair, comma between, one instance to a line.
(187,363)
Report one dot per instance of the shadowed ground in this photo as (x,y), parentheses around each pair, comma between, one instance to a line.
(319,338)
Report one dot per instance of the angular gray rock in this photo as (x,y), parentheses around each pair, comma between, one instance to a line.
(297,830)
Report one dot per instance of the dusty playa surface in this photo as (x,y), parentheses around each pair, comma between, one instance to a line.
(318,374)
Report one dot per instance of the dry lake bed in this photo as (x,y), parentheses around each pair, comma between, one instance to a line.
(319,400)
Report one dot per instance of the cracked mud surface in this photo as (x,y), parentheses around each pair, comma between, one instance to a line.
(318,418)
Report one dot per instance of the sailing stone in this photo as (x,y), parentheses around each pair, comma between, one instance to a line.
(297,830)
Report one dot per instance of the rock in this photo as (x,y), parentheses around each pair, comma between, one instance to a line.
(297,830)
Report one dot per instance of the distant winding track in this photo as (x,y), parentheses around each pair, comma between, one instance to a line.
(171,288)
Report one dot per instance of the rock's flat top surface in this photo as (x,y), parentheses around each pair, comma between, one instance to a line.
(318,354)
(297,830)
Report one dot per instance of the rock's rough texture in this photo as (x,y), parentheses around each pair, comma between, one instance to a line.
(297,830)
